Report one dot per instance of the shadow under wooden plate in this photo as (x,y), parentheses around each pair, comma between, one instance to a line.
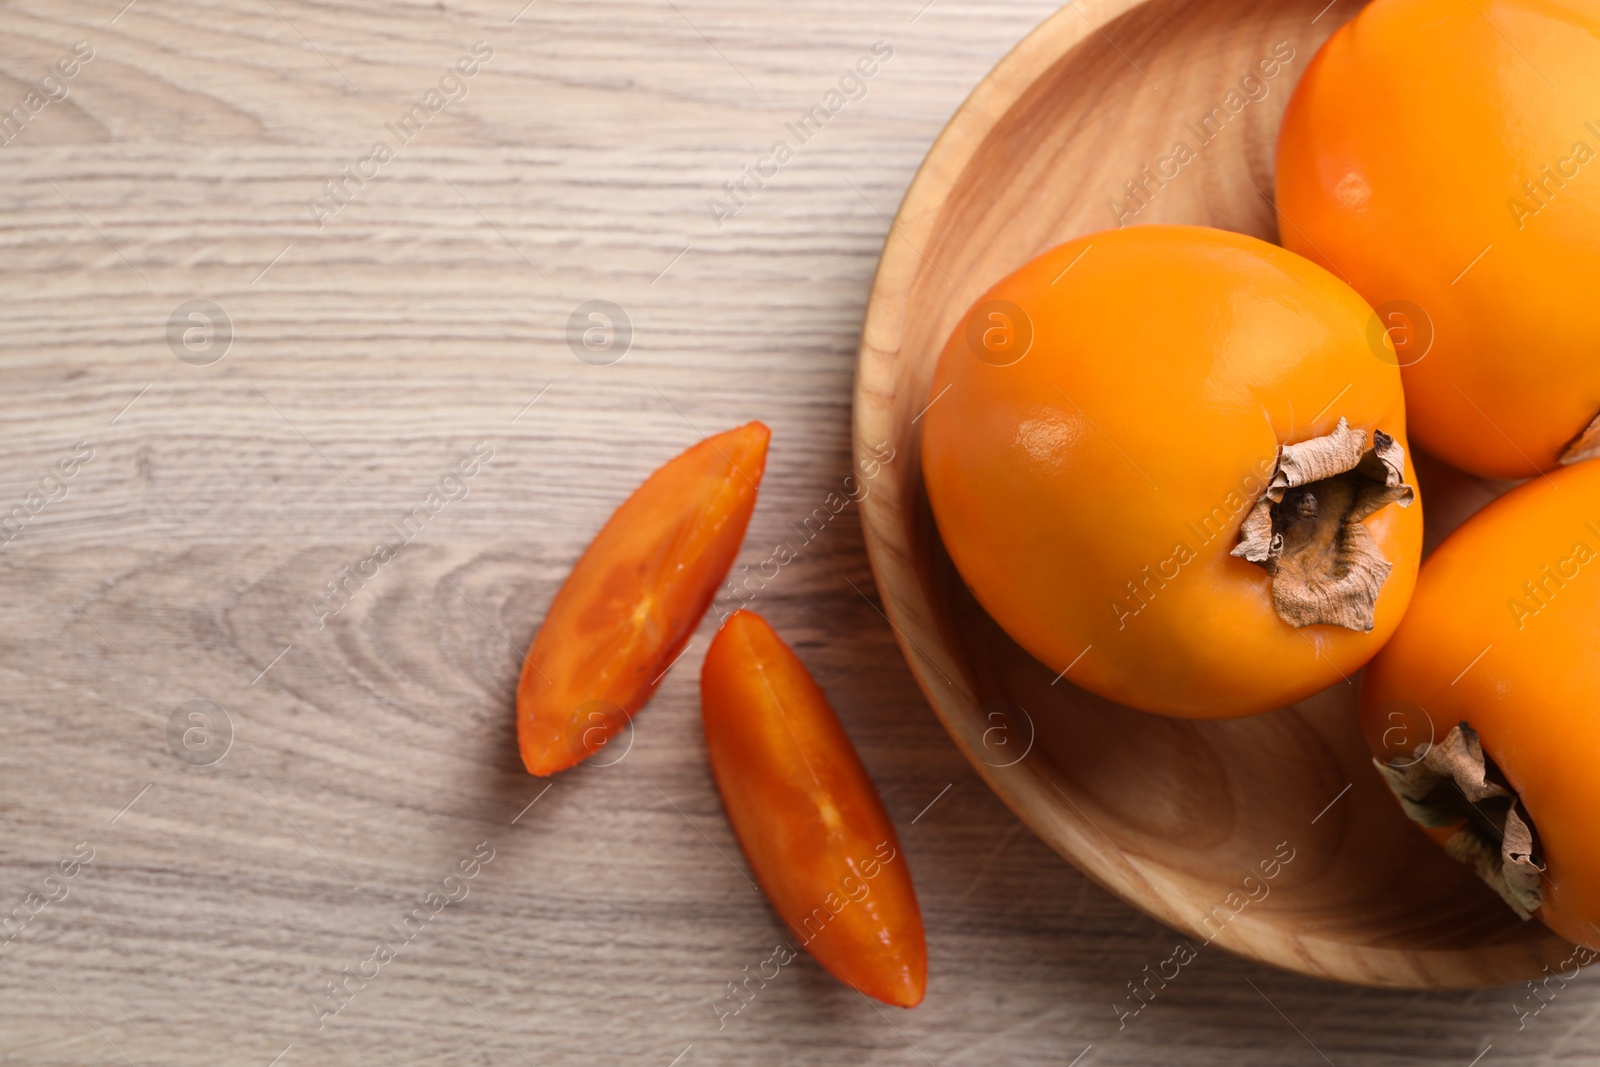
(1171,815)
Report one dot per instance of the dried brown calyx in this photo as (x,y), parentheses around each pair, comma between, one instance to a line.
(1306,529)
(1584,446)
(1453,784)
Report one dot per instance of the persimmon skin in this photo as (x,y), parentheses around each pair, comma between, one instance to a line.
(1167,366)
(807,815)
(1476,647)
(634,598)
(1401,161)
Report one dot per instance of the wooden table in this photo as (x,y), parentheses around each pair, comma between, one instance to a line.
(234,460)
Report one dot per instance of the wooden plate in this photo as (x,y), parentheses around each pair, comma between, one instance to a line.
(1182,819)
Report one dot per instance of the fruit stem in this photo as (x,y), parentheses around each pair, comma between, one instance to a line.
(1584,446)
(1454,785)
(1306,530)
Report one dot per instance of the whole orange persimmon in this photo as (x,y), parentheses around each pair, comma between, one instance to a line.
(1167,462)
(1443,157)
(1487,693)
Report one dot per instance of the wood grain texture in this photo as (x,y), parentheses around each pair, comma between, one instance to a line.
(368,358)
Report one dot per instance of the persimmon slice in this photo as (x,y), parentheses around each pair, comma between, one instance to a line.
(807,815)
(633,600)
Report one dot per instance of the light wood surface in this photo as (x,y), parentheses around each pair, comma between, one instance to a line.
(369,356)
(1271,836)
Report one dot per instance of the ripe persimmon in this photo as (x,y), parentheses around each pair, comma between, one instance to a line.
(1481,708)
(1167,462)
(808,816)
(1429,158)
(633,599)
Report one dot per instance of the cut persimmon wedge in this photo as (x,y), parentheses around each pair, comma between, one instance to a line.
(807,815)
(634,598)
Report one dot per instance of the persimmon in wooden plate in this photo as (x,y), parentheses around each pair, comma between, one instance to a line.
(1118,113)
